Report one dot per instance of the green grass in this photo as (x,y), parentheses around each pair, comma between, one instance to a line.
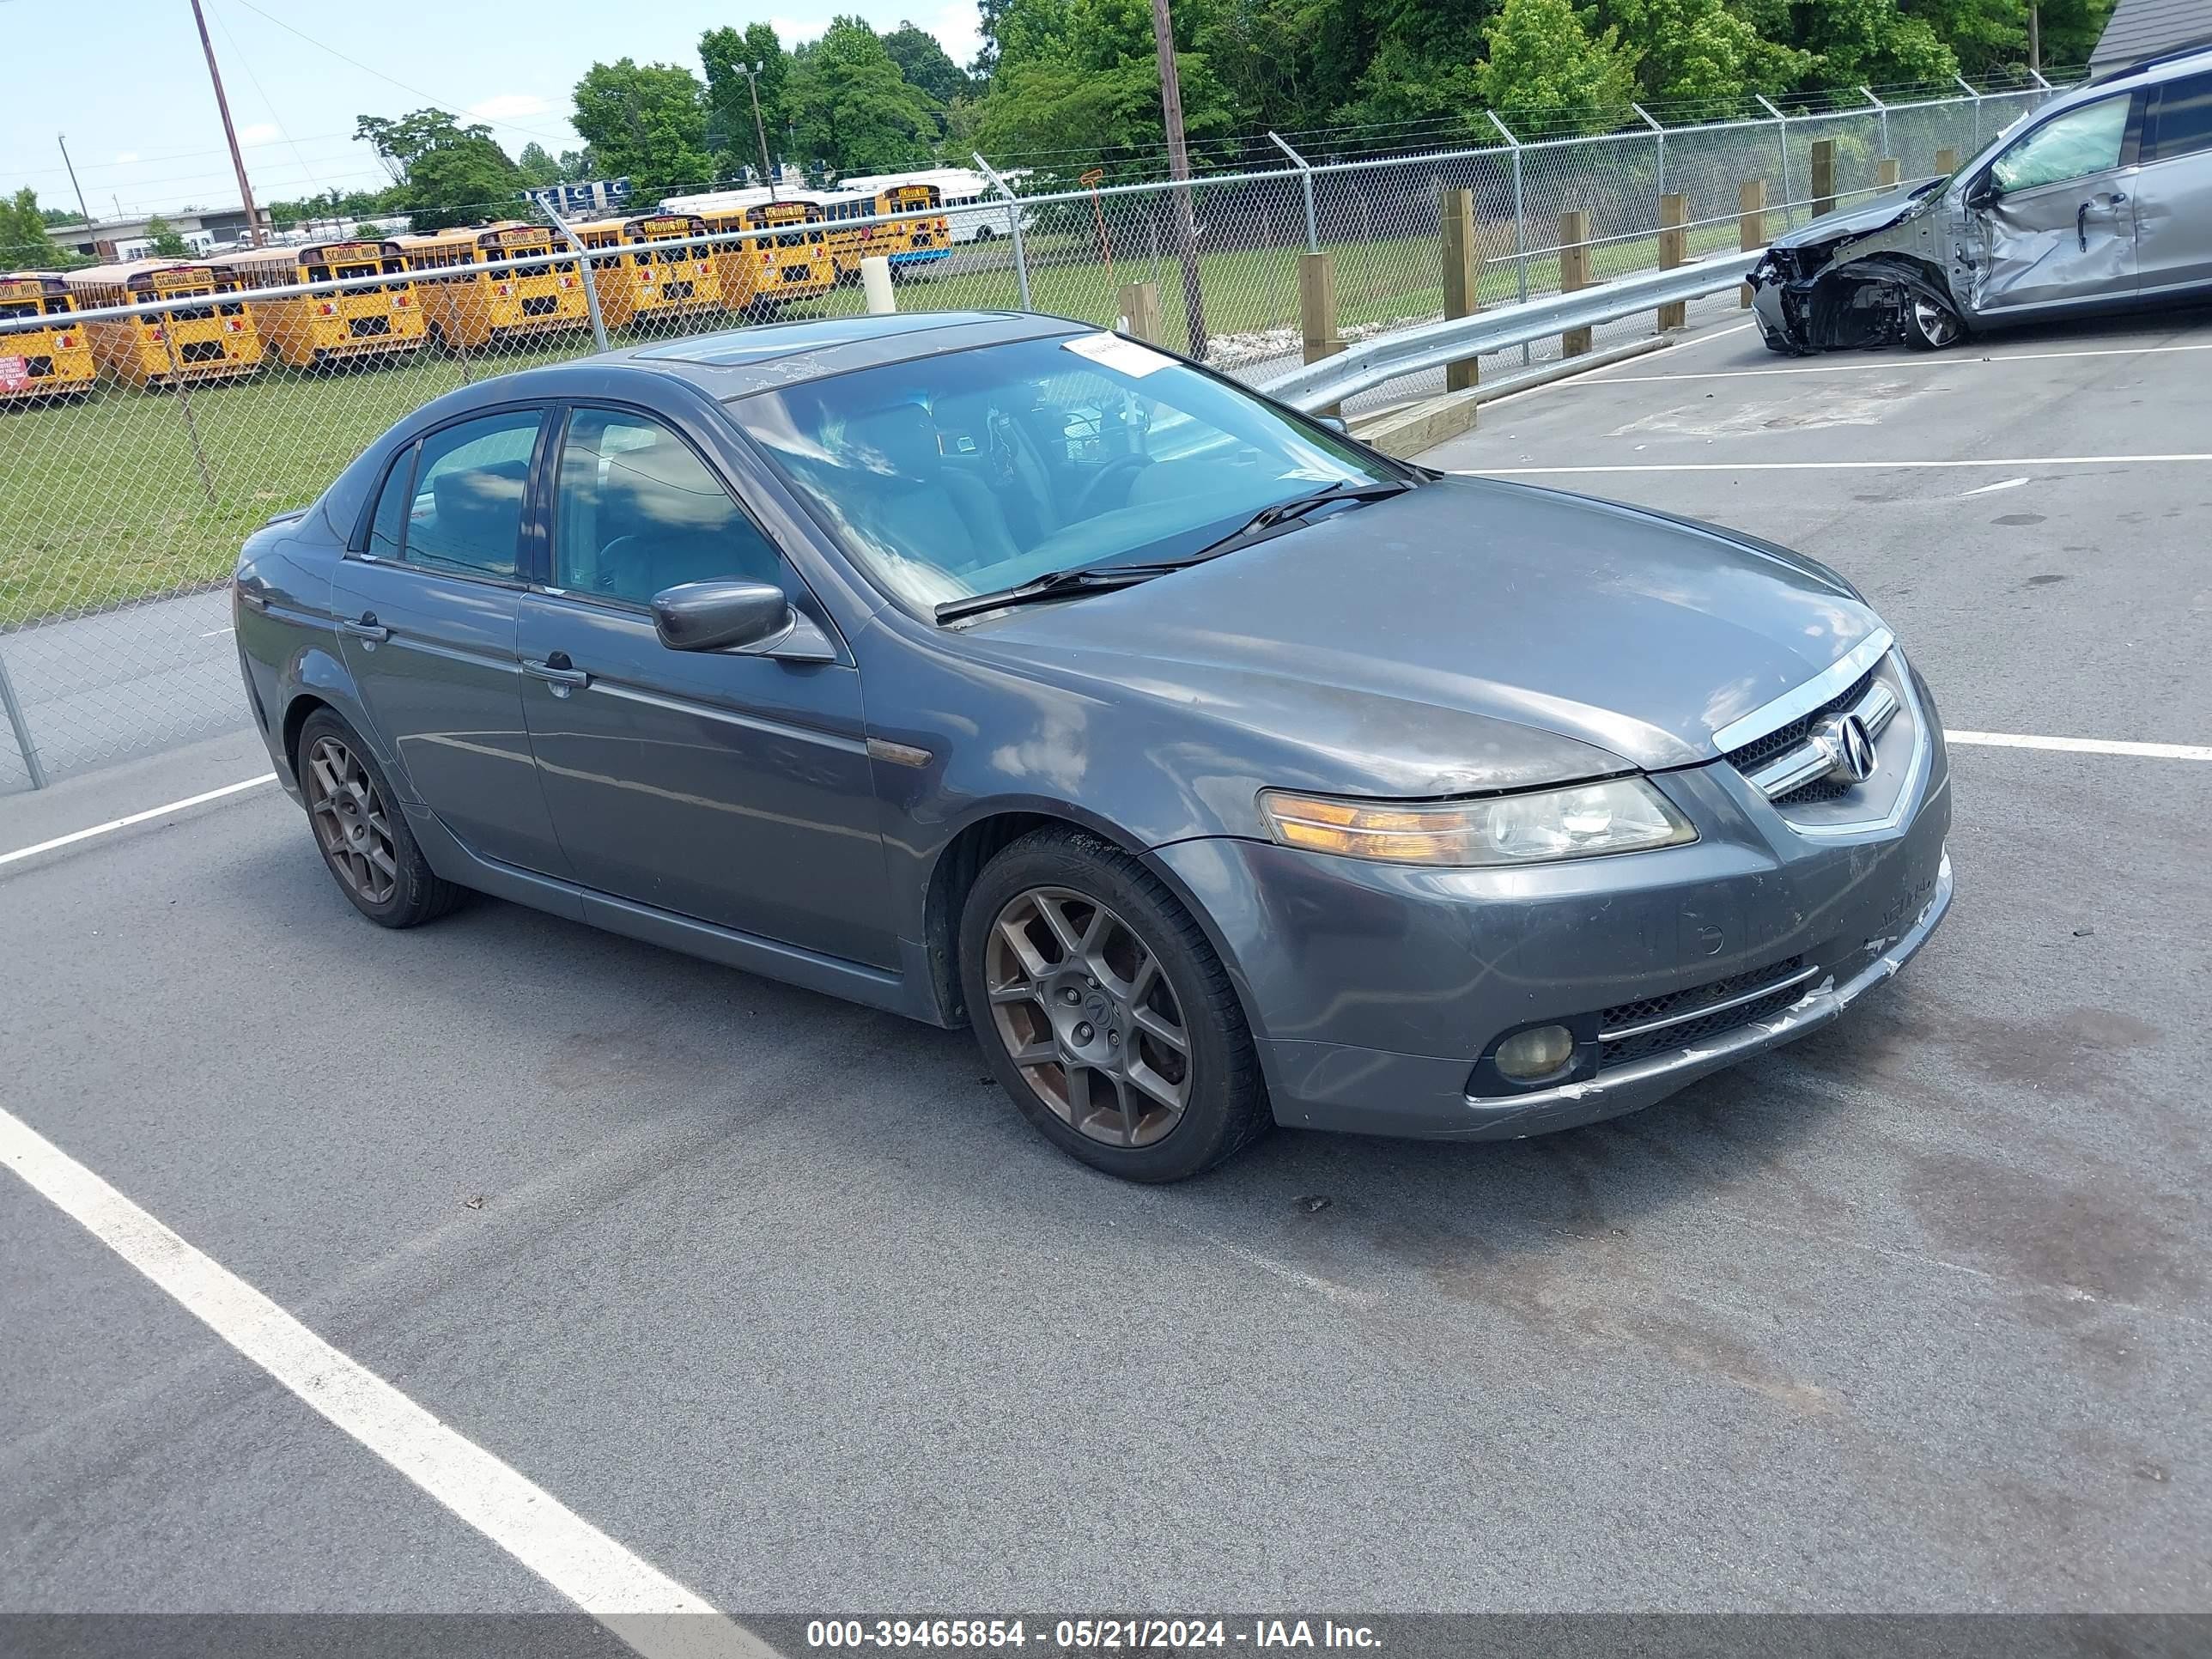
(123,497)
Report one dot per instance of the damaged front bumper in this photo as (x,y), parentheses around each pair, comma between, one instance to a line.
(1851,279)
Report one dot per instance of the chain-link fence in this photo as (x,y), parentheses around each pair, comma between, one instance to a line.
(150,422)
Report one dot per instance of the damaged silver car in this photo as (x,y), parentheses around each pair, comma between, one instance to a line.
(2100,199)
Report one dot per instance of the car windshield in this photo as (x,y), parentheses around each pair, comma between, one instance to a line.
(974,472)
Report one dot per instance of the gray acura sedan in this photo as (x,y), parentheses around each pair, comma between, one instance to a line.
(1218,770)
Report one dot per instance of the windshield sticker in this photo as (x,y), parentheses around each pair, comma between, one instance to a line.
(1112,351)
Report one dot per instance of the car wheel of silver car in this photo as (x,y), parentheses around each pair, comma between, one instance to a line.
(1930,326)
(360,831)
(1104,1011)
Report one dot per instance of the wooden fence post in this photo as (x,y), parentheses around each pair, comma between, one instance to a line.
(1574,273)
(1673,249)
(1139,302)
(1889,173)
(1751,227)
(1824,176)
(1317,310)
(1947,161)
(1462,278)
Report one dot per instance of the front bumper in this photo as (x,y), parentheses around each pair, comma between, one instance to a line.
(1375,992)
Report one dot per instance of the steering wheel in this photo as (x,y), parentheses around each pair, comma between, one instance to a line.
(1114,468)
(610,562)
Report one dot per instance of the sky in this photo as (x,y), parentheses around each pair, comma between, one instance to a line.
(129,88)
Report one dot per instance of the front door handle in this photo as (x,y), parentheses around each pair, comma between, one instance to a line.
(366,629)
(557,672)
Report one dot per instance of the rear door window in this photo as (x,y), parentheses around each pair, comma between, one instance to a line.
(2181,123)
(469,482)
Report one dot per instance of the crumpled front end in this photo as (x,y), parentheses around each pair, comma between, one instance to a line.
(1854,286)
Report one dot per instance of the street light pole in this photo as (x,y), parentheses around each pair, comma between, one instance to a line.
(62,138)
(753,85)
(222,106)
(1179,170)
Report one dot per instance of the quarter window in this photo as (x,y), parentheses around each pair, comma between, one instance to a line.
(2183,125)
(466,513)
(2070,146)
(638,511)
(388,530)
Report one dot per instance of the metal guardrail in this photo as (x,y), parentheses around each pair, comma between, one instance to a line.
(1387,357)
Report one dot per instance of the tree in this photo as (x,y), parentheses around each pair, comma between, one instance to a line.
(161,238)
(578,166)
(1854,43)
(1078,84)
(647,123)
(447,173)
(924,63)
(1701,58)
(1546,69)
(730,101)
(24,243)
(537,166)
(850,107)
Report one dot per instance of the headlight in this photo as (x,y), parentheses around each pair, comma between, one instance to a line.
(1622,815)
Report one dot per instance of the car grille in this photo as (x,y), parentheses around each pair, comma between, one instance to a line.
(1654,1025)
(1784,738)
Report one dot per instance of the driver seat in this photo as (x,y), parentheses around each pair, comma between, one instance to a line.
(926,510)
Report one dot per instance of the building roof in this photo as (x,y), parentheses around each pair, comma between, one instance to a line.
(2140,28)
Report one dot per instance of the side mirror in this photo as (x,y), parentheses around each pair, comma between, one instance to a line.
(1981,192)
(1334,423)
(720,616)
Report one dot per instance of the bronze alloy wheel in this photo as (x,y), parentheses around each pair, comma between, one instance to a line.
(352,824)
(1088,1017)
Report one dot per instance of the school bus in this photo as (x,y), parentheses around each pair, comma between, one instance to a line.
(312,330)
(761,273)
(51,358)
(909,244)
(216,339)
(467,304)
(651,282)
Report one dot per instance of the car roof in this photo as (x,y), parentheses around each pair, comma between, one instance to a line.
(738,362)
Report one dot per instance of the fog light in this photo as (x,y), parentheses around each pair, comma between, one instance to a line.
(1535,1053)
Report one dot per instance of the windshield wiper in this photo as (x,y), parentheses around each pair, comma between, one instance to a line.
(1060,584)
(1269,518)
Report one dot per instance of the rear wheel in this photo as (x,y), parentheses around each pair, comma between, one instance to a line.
(360,831)
(1104,1011)
(1930,326)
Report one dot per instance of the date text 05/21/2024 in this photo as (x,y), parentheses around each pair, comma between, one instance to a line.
(1088,1635)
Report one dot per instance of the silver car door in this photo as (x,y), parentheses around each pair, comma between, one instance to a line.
(2174,188)
(2056,213)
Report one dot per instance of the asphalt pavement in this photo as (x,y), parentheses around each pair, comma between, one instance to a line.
(783,1296)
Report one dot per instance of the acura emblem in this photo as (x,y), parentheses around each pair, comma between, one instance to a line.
(1842,738)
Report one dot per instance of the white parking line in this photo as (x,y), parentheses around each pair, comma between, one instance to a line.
(635,1600)
(2001,484)
(1826,466)
(113,824)
(2189,751)
(1601,377)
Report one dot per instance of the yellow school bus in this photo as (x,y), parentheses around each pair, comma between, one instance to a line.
(650,282)
(311,331)
(909,244)
(470,305)
(50,358)
(215,339)
(761,273)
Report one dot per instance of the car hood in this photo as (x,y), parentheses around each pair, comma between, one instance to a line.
(1469,634)
(1877,215)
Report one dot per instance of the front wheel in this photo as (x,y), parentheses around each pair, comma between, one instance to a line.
(1104,1011)
(1930,326)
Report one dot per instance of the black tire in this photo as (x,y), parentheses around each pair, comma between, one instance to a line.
(1930,326)
(416,893)
(985,233)
(1225,1105)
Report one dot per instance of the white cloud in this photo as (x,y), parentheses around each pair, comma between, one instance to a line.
(956,31)
(509,106)
(125,158)
(260,132)
(793,30)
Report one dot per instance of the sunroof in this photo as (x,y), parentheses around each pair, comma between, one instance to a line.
(753,345)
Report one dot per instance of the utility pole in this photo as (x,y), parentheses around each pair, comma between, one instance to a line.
(2035,38)
(62,138)
(1179,170)
(222,106)
(753,85)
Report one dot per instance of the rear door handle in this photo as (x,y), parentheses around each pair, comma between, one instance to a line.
(366,629)
(557,672)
